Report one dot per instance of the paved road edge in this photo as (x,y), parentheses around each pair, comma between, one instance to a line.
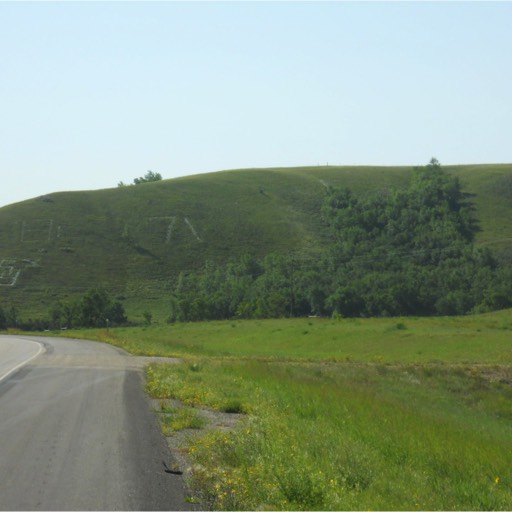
(26,361)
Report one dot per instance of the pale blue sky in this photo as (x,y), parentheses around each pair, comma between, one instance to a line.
(94,93)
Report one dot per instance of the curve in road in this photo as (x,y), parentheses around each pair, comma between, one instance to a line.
(77,432)
(15,353)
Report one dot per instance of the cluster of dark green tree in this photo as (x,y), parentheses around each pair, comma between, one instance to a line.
(276,286)
(411,252)
(96,308)
(400,252)
(8,317)
(147,178)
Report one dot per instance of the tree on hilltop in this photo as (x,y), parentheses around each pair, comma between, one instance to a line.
(148,177)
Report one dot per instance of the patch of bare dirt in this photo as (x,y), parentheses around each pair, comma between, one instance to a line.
(178,442)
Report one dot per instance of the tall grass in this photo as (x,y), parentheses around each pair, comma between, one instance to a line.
(325,436)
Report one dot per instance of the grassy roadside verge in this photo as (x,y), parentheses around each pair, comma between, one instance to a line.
(396,414)
(337,437)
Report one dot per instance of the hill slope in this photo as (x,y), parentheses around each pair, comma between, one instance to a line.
(133,240)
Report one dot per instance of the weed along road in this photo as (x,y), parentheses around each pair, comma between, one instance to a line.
(77,432)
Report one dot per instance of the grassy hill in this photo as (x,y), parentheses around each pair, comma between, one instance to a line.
(134,240)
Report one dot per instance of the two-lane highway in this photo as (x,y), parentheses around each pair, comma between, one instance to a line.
(76,430)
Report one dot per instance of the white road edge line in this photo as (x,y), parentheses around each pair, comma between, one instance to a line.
(17,367)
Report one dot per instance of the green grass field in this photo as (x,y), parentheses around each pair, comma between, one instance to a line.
(479,339)
(386,414)
(337,437)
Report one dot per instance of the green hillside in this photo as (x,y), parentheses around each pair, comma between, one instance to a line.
(134,240)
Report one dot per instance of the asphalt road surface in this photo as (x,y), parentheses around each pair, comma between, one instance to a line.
(77,432)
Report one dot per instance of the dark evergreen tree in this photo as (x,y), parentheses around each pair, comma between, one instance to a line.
(3,319)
